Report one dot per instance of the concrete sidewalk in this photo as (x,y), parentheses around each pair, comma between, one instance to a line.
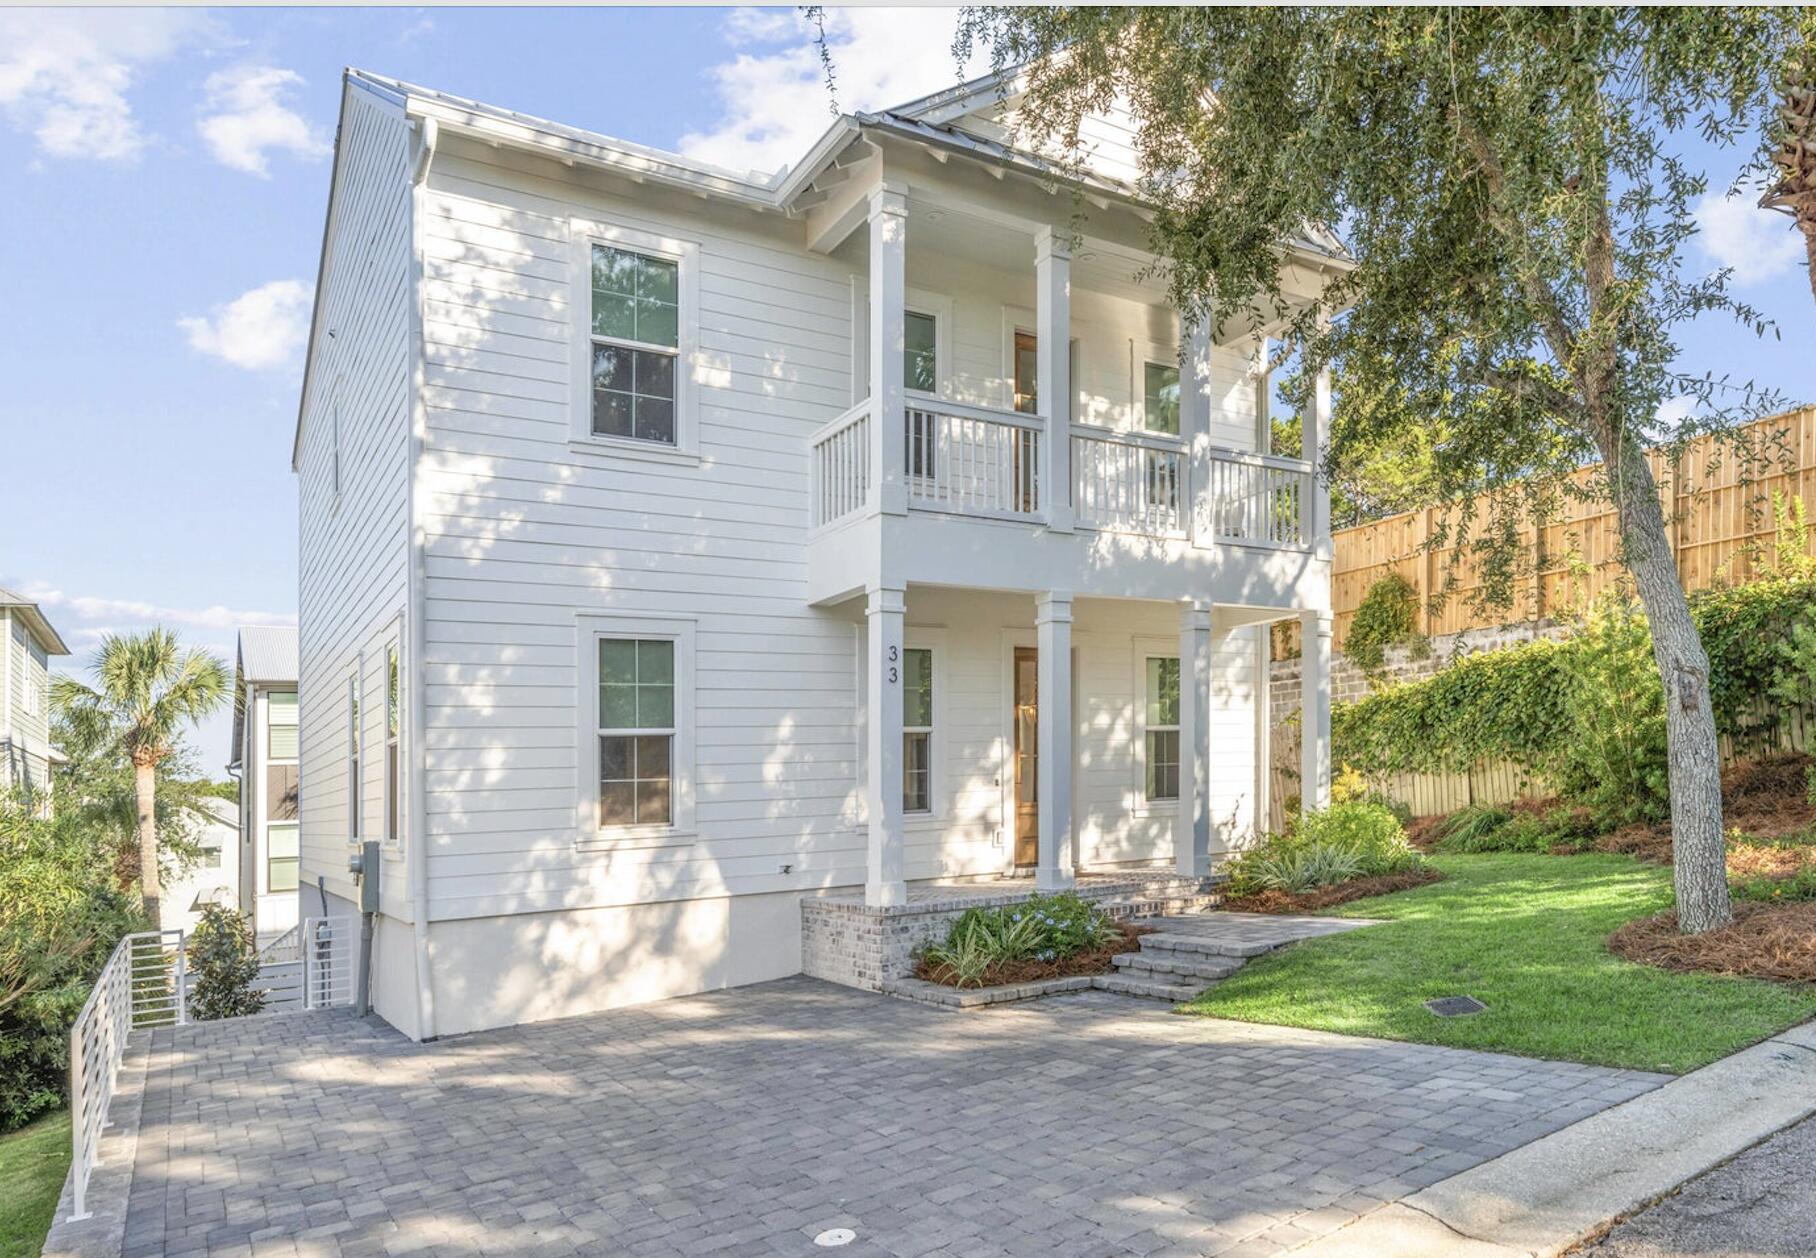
(1547,1196)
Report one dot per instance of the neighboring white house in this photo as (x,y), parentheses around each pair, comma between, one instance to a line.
(214,878)
(264,759)
(685,550)
(27,642)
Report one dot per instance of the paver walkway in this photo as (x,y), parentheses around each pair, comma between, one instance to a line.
(748,1121)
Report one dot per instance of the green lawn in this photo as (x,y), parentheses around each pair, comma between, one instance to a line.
(33,1163)
(1524,935)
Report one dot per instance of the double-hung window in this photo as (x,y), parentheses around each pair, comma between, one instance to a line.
(280,791)
(636,344)
(920,351)
(636,731)
(917,730)
(1162,724)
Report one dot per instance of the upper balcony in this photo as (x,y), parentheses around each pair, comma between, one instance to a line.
(1153,480)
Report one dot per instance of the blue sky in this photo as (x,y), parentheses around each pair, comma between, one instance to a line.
(165,173)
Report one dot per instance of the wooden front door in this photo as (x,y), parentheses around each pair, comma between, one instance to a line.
(1027,751)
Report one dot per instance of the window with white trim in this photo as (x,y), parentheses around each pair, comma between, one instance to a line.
(920,351)
(636,732)
(917,729)
(1160,397)
(393,724)
(353,750)
(636,344)
(1161,711)
(280,725)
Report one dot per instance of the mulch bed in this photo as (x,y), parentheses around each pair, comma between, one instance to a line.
(1776,941)
(1765,798)
(1327,897)
(1004,973)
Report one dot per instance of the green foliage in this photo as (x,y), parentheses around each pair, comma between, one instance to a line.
(61,913)
(1799,886)
(1473,829)
(1587,713)
(1388,616)
(224,958)
(1613,757)
(1040,928)
(1486,828)
(1355,839)
(33,1165)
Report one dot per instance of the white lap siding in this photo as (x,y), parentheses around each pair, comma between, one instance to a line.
(525,532)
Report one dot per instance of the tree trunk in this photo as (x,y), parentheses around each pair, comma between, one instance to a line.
(145,787)
(1699,860)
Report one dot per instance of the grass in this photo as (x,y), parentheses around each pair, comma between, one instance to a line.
(1522,933)
(33,1163)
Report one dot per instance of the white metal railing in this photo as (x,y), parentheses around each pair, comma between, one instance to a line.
(285,947)
(1259,499)
(147,983)
(973,460)
(840,459)
(1128,482)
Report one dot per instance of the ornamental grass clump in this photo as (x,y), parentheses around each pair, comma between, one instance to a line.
(1043,928)
(1355,839)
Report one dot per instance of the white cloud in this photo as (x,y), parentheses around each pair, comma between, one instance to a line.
(772,95)
(65,74)
(1674,410)
(99,616)
(247,115)
(1758,244)
(258,330)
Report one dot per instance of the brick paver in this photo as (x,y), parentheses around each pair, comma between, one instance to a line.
(747,1121)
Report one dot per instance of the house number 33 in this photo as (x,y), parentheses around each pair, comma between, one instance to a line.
(894,655)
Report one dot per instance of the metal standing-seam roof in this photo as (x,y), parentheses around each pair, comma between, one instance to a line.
(266,656)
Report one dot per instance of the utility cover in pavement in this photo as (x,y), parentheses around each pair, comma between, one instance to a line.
(1455,1006)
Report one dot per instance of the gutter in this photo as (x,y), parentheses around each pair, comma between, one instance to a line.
(416,854)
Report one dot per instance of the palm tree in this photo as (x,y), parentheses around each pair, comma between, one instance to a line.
(1792,150)
(149,686)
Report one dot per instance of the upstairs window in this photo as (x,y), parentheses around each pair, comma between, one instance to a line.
(636,731)
(1162,728)
(1160,397)
(280,725)
(920,353)
(917,730)
(636,309)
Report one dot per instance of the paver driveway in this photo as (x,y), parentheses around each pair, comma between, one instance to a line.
(746,1122)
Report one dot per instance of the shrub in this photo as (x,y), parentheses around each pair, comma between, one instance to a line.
(1799,886)
(61,913)
(1473,829)
(1042,928)
(1350,786)
(1349,840)
(223,957)
(1612,757)
(1387,616)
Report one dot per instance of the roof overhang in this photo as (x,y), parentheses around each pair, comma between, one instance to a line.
(39,627)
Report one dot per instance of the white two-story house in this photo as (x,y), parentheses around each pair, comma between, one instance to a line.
(682,550)
(27,643)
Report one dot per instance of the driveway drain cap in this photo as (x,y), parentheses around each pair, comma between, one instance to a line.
(833,1237)
(1455,1006)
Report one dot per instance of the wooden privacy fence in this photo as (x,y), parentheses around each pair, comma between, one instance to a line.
(1718,514)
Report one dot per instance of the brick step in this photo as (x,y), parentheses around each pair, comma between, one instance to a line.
(1188,966)
(1179,941)
(1153,990)
(1132,907)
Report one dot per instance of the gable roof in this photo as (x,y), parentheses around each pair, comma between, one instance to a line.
(34,620)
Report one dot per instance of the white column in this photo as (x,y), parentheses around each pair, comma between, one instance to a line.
(1314,710)
(1195,427)
(1317,435)
(888,299)
(1053,373)
(883,881)
(1192,834)
(1053,776)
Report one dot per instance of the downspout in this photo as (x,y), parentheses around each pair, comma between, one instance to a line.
(417,854)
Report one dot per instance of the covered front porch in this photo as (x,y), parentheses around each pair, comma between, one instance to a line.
(1046,737)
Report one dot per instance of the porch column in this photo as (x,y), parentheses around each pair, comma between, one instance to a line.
(888,299)
(1053,373)
(1192,832)
(1314,710)
(883,881)
(1053,740)
(1317,435)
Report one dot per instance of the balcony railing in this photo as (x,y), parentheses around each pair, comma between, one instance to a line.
(1259,499)
(973,460)
(841,466)
(1128,483)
